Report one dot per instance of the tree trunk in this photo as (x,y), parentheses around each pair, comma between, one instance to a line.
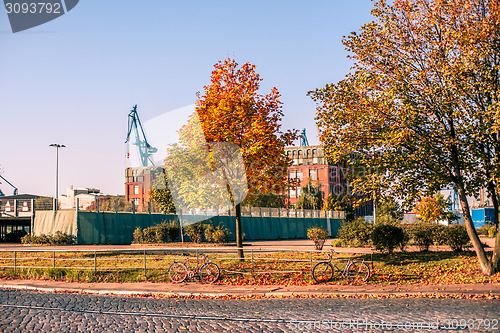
(485,264)
(239,233)
(495,260)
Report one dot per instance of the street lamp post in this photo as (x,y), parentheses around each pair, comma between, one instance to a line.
(57,146)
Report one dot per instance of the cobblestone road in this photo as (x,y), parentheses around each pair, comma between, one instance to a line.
(29,311)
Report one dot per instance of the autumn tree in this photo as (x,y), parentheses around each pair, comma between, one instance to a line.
(421,105)
(232,110)
(433,209)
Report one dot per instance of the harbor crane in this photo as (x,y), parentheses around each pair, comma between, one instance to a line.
(5,180)
(145,150)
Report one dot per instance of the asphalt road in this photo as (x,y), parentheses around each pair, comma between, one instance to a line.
(30,311)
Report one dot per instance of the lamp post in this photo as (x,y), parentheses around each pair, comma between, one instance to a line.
(57,146)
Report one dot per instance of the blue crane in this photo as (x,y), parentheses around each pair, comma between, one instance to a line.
(144,148)
(303,139)
(5,180)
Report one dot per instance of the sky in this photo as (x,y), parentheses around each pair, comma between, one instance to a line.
(74,80)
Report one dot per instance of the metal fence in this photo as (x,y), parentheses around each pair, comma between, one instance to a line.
(148,260)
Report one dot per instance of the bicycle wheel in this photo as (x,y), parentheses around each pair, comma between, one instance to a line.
(322,272)
(209,272)
(177,272)
(358,271)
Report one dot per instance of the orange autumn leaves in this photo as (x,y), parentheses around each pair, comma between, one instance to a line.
(232,110)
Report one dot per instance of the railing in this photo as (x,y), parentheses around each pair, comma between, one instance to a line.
(160,259)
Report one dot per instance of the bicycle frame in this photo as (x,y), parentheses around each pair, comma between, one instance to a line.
(332,261)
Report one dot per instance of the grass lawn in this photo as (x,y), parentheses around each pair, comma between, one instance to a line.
(397,268)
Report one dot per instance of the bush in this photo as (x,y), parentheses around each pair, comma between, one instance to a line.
(318,235)
(60,238)
(492,231)
(149,235)
(421,233)
(159,233)
(138,236)
(439,234)
(217,234)
(387,237)
(457,237)
(406,236)
(195,231)
(356,232)
(173,231)
(484,229)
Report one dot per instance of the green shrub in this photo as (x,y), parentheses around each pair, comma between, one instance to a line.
(149,235)
(387,237)
(161,232)
(318,235)
(484,229)
(173,231)
(439,234)
(406,236)
(217,234)
(356,232)
(492,231)
(337,242)
(457,237)
(60,238)
(138,236)
(195,231)
(421,233)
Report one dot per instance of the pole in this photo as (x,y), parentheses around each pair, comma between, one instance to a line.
(57,146)
(145,264)
(57,176)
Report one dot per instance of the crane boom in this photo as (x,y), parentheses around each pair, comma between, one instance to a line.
(5,180)
(144,148)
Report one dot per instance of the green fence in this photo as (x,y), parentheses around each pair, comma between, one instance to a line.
(118,228)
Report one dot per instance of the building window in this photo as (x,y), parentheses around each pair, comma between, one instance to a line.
(293,193)
(136,202)
(299,175)
(136,189)
(313,174)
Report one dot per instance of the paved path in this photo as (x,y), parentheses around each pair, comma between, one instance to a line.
(30,311)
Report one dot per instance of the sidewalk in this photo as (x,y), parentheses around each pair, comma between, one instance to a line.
(204,290)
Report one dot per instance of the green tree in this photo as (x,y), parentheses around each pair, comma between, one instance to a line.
(341,202)
(420,107)
(387,206)
(310,197)
(161,195)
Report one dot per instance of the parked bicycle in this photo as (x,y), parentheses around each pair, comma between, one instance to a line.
(208,271)
(355,270)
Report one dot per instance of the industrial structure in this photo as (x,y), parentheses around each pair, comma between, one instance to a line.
(6,181)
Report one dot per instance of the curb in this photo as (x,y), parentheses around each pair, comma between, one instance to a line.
(247,295)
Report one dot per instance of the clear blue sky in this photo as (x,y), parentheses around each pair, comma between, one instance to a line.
(73,80)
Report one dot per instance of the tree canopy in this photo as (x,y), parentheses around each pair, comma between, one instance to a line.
(421,105)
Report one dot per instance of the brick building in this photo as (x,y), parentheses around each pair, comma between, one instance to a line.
(138,183)
(309,164)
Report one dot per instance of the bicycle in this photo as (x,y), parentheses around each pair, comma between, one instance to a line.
(208,271)
(354,270)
